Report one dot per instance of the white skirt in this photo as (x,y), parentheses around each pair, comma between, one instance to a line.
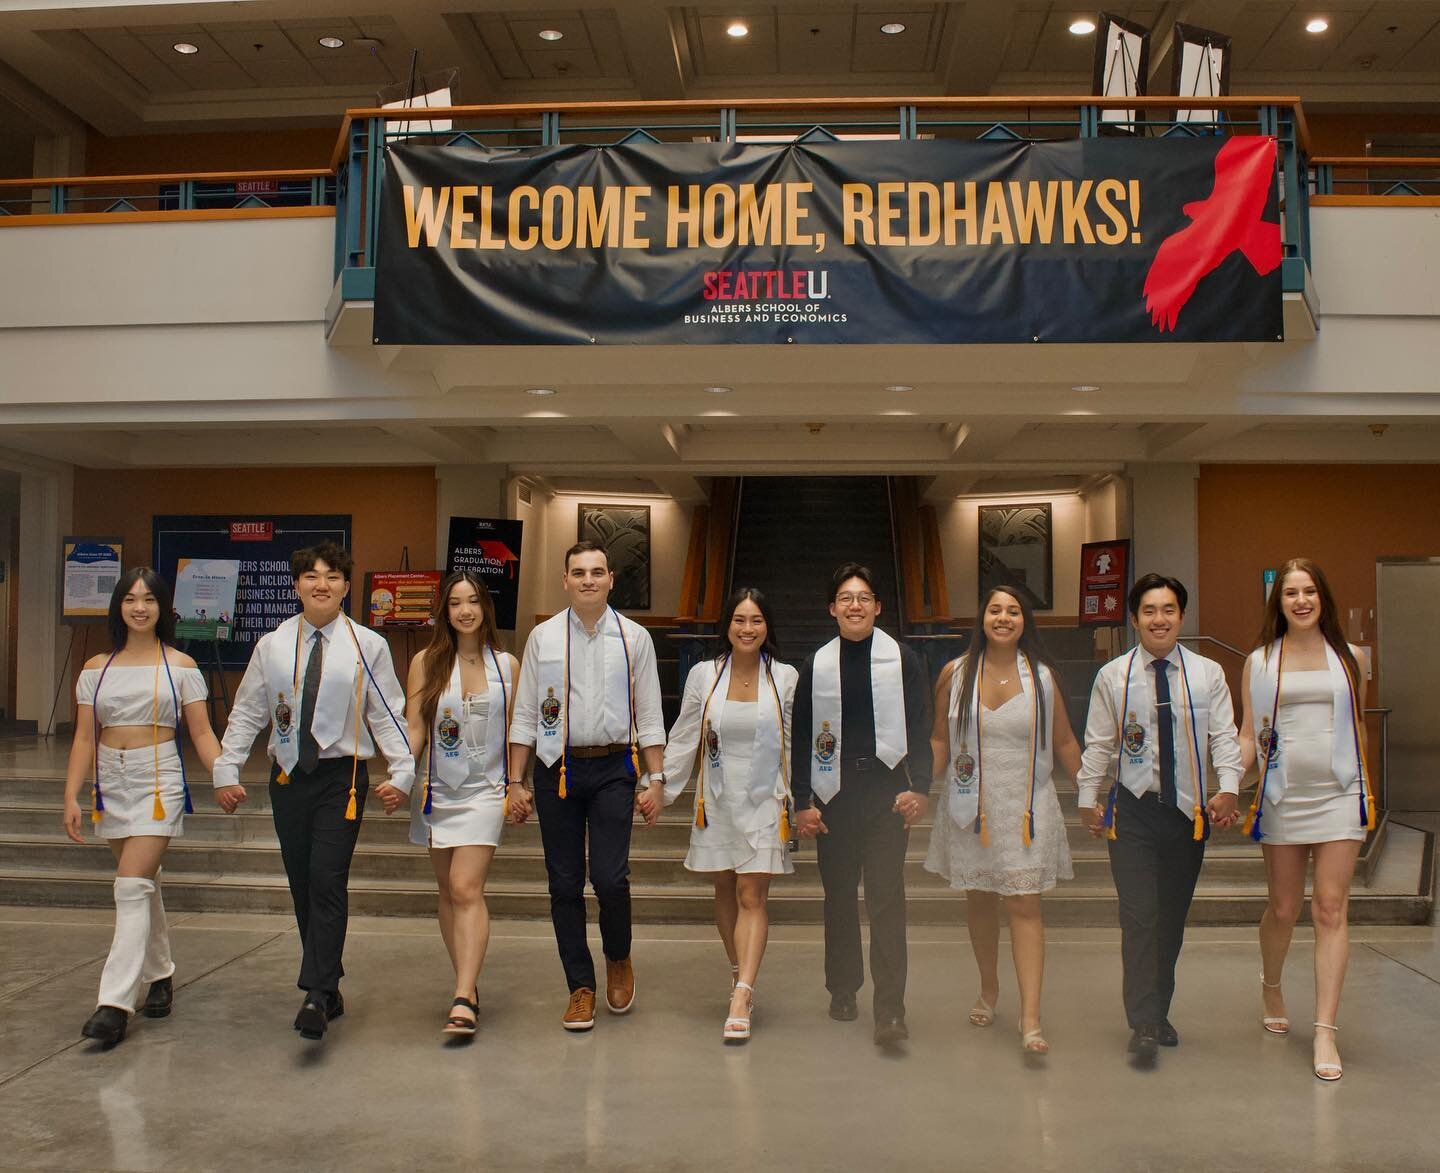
(127,792)
(469,817)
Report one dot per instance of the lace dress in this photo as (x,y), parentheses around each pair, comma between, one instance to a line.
(1007,866)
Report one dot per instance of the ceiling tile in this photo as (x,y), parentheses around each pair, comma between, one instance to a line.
(545,64)
(812,42)
(720,53)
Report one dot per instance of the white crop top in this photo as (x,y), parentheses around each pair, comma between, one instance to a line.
(128,695)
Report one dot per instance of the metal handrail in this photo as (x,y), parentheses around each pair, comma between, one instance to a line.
(1219,643)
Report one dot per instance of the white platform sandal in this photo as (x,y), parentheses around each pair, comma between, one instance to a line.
(1276,1025)
(737,1029)
(1329,1072)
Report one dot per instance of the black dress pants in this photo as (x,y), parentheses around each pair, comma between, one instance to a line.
(866,839)
(317,842)
(599,800)
(1155,861)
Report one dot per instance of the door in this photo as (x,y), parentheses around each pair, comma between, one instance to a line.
(1408,626)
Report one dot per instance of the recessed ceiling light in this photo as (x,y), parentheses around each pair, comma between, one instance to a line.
(1082,27)
(331,43)
(899,387)
(1086,387)
(185,47)
(550,34)
(1318,25)
(893,29)
(718,390)
(539,391)
(738,28)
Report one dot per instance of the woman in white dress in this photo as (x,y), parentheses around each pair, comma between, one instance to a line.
(459,697)
(129,705)
(1000,727)
(1304,699)
(733,739)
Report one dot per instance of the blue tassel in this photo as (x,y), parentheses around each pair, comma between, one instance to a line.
(99,798)
(189,806)
(1255,832)
(427,796)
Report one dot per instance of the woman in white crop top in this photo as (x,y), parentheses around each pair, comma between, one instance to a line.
(128,707)
(459,698)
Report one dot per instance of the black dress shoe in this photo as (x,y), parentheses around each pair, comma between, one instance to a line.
(843,1009)
(1168,1036)
(1143,1042)
(311,1021)
(159,999)
(334,1005)
(889,1031)
(106,1025)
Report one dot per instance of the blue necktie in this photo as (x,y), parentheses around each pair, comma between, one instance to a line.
(1166,724)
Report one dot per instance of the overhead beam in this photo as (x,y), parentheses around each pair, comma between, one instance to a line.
(437,443)
(983,439)
(1187,441)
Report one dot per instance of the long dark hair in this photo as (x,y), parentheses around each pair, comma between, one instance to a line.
(771,647)
(1275,624)
(438,658)
(115,621)
(1031,647)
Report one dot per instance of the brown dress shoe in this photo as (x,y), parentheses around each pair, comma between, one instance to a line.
(580,1014)
(619,986)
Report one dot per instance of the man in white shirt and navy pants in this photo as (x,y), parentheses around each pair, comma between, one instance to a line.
(1153,712)
(328,692)
(587,706)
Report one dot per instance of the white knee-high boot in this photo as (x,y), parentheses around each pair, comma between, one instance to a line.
(158,963)
(120,980)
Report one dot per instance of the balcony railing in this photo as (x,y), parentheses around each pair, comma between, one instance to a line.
(1375,178)
(150,196)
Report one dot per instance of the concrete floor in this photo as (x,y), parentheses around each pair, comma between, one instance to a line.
(224,1083)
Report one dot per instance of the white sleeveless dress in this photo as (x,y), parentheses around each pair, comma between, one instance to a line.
(1007,866)
(1315,808)
(473,815)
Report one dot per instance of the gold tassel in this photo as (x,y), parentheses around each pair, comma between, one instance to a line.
(635,759)
(562,777)
(984,831)
(95,814)
(505,810)
(282,778)
(1025,828)
(350,806)
(157,812)
(1250,818)
(785,823)
(1199,824)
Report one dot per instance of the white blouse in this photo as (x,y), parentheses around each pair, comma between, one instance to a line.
(128,695)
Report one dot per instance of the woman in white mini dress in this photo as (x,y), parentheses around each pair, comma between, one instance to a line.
(732,738)
(459,697)
(1303,727)
(1000,727)
(129,706)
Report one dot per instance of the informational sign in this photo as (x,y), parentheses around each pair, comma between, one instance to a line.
(401,598)
(935,241)
(490,548)
(261,545)
(90,569)
(205,590)
(1104,580)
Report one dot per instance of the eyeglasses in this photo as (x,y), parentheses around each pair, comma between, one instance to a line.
(849,597)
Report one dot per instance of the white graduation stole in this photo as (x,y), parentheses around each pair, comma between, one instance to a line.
(766,780)
(284,696)
(554,687)
(1133,699)
(887,695)
(1345,765)
(965,766)
(452,756)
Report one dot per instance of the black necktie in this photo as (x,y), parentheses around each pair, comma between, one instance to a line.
(309,747)
(1166,724)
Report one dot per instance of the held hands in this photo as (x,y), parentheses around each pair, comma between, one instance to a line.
(73,819)
(1094,819)
(520,802)
(650,802)
(229,797)
(390,797)
(911,806)
(809,824)
(1224,810)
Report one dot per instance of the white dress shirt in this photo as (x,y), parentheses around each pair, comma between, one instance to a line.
(1208,686)
(587,724)
(274,658)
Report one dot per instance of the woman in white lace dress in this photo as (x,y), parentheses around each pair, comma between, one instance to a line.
(1000,727)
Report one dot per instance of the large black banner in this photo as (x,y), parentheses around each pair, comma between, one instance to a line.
(1093,240)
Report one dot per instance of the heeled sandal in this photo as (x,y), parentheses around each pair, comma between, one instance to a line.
(982,1013)
(1329,1072)
(1275,1024)
(737,1029)
(459,1025)
(1032,1042)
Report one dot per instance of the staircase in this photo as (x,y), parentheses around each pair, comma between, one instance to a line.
(232,863)
(791,535)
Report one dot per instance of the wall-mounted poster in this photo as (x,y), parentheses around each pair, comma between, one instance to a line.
(401,598)
(1104,581)
(261,544)
(205,590)
(624,531)
(1015,550)
(90,568)
(490,548)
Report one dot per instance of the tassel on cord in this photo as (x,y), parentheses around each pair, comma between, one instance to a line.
(350,806)
(98,807)
(427,797)
(1027,828)
(1367,809)
(1252,821)
(1199,832)
(562,778)
(157,811)
(189,806)
(700,820)
(785,823)
(282,778)
(984,831)
(634,762)
(1108,820)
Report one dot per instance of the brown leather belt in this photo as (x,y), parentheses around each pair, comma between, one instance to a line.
(596,751)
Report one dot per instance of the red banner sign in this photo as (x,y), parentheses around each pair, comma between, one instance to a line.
(1104,579)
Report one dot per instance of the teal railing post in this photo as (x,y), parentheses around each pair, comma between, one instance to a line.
(550,128)
(187,195)
(57,198)
(907,122)
(1325,179)
(1089,121)
(374,172)
(354,192)
(729,124)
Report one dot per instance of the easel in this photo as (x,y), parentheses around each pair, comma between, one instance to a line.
(1129,70)
(214,671)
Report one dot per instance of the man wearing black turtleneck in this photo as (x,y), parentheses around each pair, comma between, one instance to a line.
(861,753)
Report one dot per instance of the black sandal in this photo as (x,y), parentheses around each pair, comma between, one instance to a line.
(456,1025)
